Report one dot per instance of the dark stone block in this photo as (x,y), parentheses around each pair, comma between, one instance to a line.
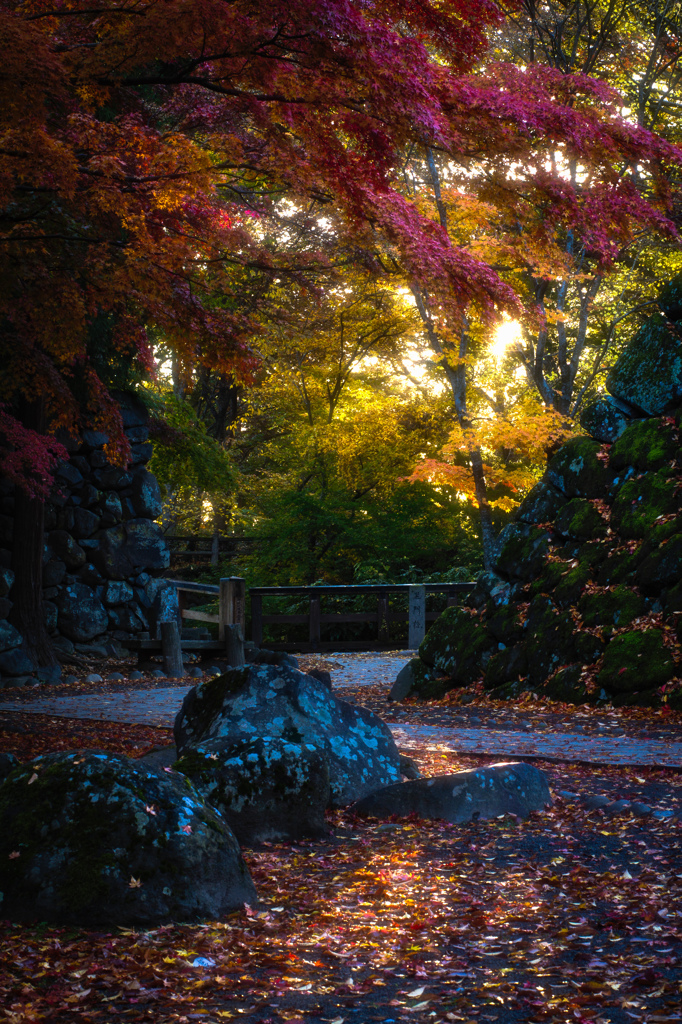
(606,419)
(82,615)
(648,374)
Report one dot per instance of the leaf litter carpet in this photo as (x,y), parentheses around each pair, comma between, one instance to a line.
(570,915)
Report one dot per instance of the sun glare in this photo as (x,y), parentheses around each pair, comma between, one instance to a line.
(507,333)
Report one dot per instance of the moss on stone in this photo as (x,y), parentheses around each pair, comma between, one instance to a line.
(617,607)
(505,666)
(565,685)
(619,567)
(576,471)
(455,645)
(636,661)
(648,373)
(549,642)
(646,444)
(640,502)
(580,519)
(572,584)
(662,568)
(522,551)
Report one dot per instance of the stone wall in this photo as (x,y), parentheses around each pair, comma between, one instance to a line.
(103,557)
(585,604)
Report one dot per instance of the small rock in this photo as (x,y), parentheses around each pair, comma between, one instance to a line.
(640,810)
(595,802)
(116,677)
(93,677)
(409,768)
(195,673)
(158,674)
(618,807)
(69,679)
(213,670)
(566,795)
(135,675)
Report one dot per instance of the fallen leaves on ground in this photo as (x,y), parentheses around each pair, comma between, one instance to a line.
(30,735)
(565,916)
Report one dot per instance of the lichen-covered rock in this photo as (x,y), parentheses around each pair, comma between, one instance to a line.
(567,686)
(455,646)
(265,789)
(648,374)
(66,549)
(96,839)
(521,551)
(541,504)
(576,470)
(641,501)
(616,607)
(580,519)
(605,419)
(480,793)
(413,678)
(637,660)
(9,637)
(280,703)
(646,444)
(81,614)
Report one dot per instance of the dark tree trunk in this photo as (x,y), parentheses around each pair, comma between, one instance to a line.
(27,562)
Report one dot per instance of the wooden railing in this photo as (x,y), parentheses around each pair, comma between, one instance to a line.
(206,545)
(231,594)
(416,617)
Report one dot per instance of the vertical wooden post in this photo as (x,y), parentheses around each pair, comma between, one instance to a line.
(239,602)
(416,616)
(382,618)
(314,630)
(234,645)
(215,548)
(171,650)
(257,619)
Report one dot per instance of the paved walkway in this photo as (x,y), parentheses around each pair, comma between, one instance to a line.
(158,707)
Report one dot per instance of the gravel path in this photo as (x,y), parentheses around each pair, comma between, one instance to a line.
(499,736)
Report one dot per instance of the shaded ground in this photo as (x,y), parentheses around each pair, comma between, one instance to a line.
(567,916)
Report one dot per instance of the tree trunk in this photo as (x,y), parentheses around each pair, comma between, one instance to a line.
(27,562)
(488,535)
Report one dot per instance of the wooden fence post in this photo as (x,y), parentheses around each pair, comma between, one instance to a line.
(224,606)
(416,616)
(231,604)
(171,650)
(239,602)
(234,645)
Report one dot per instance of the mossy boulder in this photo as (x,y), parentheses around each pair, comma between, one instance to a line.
(646,444)
(541,504)
(455,646)
(549,639)
(577,471)
(636,661)
(521,551)
(572,584)
(579,518)
(662,568)
(279,703)
(505,666)
(566,685)
(265,789)
(604,419)
(640,502)
(648,374)
(412,680)
(617,607)
(97,839)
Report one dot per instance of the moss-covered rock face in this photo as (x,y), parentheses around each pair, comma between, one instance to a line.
(648,374)
(636,661)
(93,838)
(277,703)
(646,444)
(604,420)
(577,471)
(455,646)
(522,551)
(617,607)
(641,502)
(580,519)
(596,549)
(264,789)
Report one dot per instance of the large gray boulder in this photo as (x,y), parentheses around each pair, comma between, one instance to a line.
(276,702)
(81,614)
(479,793)
(265,789)
(97,839)
(648,373)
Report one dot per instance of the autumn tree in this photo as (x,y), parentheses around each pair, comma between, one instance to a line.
(144,139)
